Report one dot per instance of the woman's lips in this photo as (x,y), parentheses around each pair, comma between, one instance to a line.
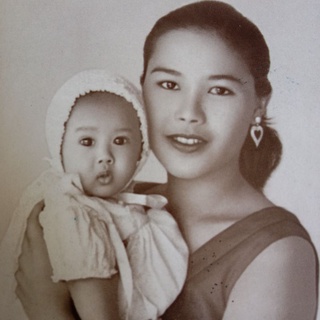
(186,143)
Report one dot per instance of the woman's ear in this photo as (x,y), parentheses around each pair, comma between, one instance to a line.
(261,109)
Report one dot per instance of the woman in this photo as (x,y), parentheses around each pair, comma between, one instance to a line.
(206,92)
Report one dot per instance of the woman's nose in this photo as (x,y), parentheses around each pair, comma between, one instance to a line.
(191,110)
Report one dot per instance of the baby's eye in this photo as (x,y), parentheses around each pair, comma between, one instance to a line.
(120,141)
(169,85)
(87,142)
(220,91)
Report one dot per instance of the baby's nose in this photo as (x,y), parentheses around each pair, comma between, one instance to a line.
(105,157)
(106,160)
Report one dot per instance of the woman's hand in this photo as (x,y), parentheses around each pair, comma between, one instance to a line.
(40,297)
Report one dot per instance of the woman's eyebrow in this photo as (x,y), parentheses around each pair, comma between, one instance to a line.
(166,70)
(227,77)
(212,77)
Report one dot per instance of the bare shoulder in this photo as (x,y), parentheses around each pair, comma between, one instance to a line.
(279,284)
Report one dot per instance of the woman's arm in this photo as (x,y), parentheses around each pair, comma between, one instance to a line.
(96,298)
(279,284)
(40,297)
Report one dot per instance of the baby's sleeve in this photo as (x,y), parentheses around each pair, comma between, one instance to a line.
(78,242)
(158,257)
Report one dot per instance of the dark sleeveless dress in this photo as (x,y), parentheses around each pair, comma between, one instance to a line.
(217,265)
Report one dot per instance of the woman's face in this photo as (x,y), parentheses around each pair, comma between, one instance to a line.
(200,99)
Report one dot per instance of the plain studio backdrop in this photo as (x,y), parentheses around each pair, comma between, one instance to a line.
(43,43)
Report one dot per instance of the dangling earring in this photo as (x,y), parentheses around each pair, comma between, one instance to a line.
(256,132)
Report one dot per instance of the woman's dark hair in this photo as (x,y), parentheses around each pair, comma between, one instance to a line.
(256,164)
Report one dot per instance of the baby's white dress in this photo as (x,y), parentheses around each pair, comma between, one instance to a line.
(88,237)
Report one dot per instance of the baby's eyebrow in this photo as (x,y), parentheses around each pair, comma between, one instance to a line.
(90,128)
(124,130)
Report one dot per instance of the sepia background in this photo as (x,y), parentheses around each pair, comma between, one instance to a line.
(43,43)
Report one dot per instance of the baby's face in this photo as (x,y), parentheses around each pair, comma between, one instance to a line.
(102,143)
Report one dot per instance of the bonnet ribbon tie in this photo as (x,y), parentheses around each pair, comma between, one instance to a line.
(154,201)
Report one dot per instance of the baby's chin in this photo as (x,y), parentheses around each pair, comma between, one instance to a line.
(103,193)
(100,195)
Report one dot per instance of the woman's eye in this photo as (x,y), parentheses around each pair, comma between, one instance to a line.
(220,91)
(87,142)
(169,85)
(120,141)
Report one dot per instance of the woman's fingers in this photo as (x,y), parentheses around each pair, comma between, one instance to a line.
(34,255)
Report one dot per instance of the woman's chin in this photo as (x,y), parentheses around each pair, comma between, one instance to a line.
(184,172)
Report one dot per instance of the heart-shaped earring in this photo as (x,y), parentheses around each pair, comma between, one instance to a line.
(256,132)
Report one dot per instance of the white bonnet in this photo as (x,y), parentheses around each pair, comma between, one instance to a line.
(82,83)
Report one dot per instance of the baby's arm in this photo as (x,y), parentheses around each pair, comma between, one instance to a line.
(81,255)
(95,298)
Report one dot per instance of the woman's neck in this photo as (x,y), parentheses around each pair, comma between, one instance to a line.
(206,195)
(204,207)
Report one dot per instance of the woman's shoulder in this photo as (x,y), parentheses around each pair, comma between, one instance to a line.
(275,272)
(143,187)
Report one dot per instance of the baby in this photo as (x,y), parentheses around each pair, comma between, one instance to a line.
(94,226)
